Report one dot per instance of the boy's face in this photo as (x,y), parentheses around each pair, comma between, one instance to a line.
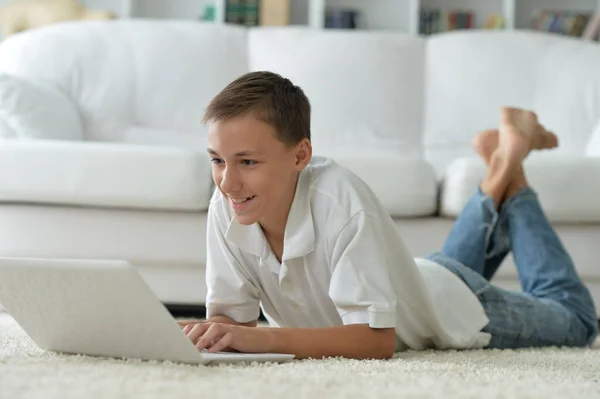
(254,170)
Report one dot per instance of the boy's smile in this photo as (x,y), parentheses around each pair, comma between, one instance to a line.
(239,205)
(254,170)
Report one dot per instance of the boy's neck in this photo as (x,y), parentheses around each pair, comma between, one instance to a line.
(275,238)
(274,227)
(276,244)
(272,234)
(274,231)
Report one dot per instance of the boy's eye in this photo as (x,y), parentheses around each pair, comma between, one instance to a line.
(216,160)
(248,162)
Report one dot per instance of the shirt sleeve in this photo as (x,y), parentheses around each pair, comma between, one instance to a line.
(361,285)
(230,291)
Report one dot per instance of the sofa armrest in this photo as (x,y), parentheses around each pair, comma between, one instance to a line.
(31,109)
(104,175)
(568,186)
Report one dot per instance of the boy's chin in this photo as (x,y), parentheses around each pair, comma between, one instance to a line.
(245,220)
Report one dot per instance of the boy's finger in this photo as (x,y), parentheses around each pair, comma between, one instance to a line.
(183,323)
(186,329)
(197,332)
(211,335)
(222,343)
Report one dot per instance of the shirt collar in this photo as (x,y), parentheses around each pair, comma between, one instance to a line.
(299,237)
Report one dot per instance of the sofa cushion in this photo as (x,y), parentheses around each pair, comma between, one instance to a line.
(568,187)
(592,149)
(160,74)
(179,67)
(356,82)
(406,187)
(104,175)
(83,63)
(144,135)
(34,110)
(168,248)
(553,75)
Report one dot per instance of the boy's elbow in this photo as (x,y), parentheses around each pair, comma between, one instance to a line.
(388,351)
(387,343)
(387,354)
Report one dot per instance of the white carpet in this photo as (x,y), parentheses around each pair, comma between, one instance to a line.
(28,372)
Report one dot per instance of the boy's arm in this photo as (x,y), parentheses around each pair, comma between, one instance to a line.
(228,320)
(361,288)
(232,297)
(357,341)
(217,319)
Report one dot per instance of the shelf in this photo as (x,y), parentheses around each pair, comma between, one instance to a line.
(121,7)
(482,9)
(508,11)
(392,15)
(316,13)
(525,10)
(169,9)
(404,15)
(379,15)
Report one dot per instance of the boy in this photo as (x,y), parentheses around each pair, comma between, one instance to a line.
(309,242)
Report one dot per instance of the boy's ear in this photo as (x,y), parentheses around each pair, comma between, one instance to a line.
(303,154)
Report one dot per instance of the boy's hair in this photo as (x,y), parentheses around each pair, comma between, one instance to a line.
(270,98)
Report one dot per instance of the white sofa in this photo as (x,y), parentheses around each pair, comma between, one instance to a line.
(128,176)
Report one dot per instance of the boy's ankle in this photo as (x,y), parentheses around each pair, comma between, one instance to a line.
(500,174)
(518,183)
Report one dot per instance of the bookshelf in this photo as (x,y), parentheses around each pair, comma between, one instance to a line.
(120,7)
(397,15)
(524,10)
(481,9)
(379,14)
(515,14)
(161,9)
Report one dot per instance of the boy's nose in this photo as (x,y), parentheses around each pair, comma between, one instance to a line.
(230,182)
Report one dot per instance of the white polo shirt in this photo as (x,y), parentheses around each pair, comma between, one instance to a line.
(343,263)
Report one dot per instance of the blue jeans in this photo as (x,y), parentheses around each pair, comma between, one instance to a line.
(555,308)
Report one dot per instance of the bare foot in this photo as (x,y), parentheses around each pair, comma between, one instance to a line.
(485,143)
(520,133)
(505,149)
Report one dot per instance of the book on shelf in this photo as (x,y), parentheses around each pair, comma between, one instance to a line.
(342,19)
(257,12)
(563,22)
(495,21)
(437,20)
(592,29)
(242,12)
(274,12)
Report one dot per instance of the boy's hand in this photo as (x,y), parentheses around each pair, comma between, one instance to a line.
(218,337)
(183,323)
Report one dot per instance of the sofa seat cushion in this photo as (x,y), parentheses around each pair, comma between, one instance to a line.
(568,187)
(357,84)
(406,187)
(104,175)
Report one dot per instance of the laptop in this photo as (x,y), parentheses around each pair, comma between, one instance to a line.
(100,308)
